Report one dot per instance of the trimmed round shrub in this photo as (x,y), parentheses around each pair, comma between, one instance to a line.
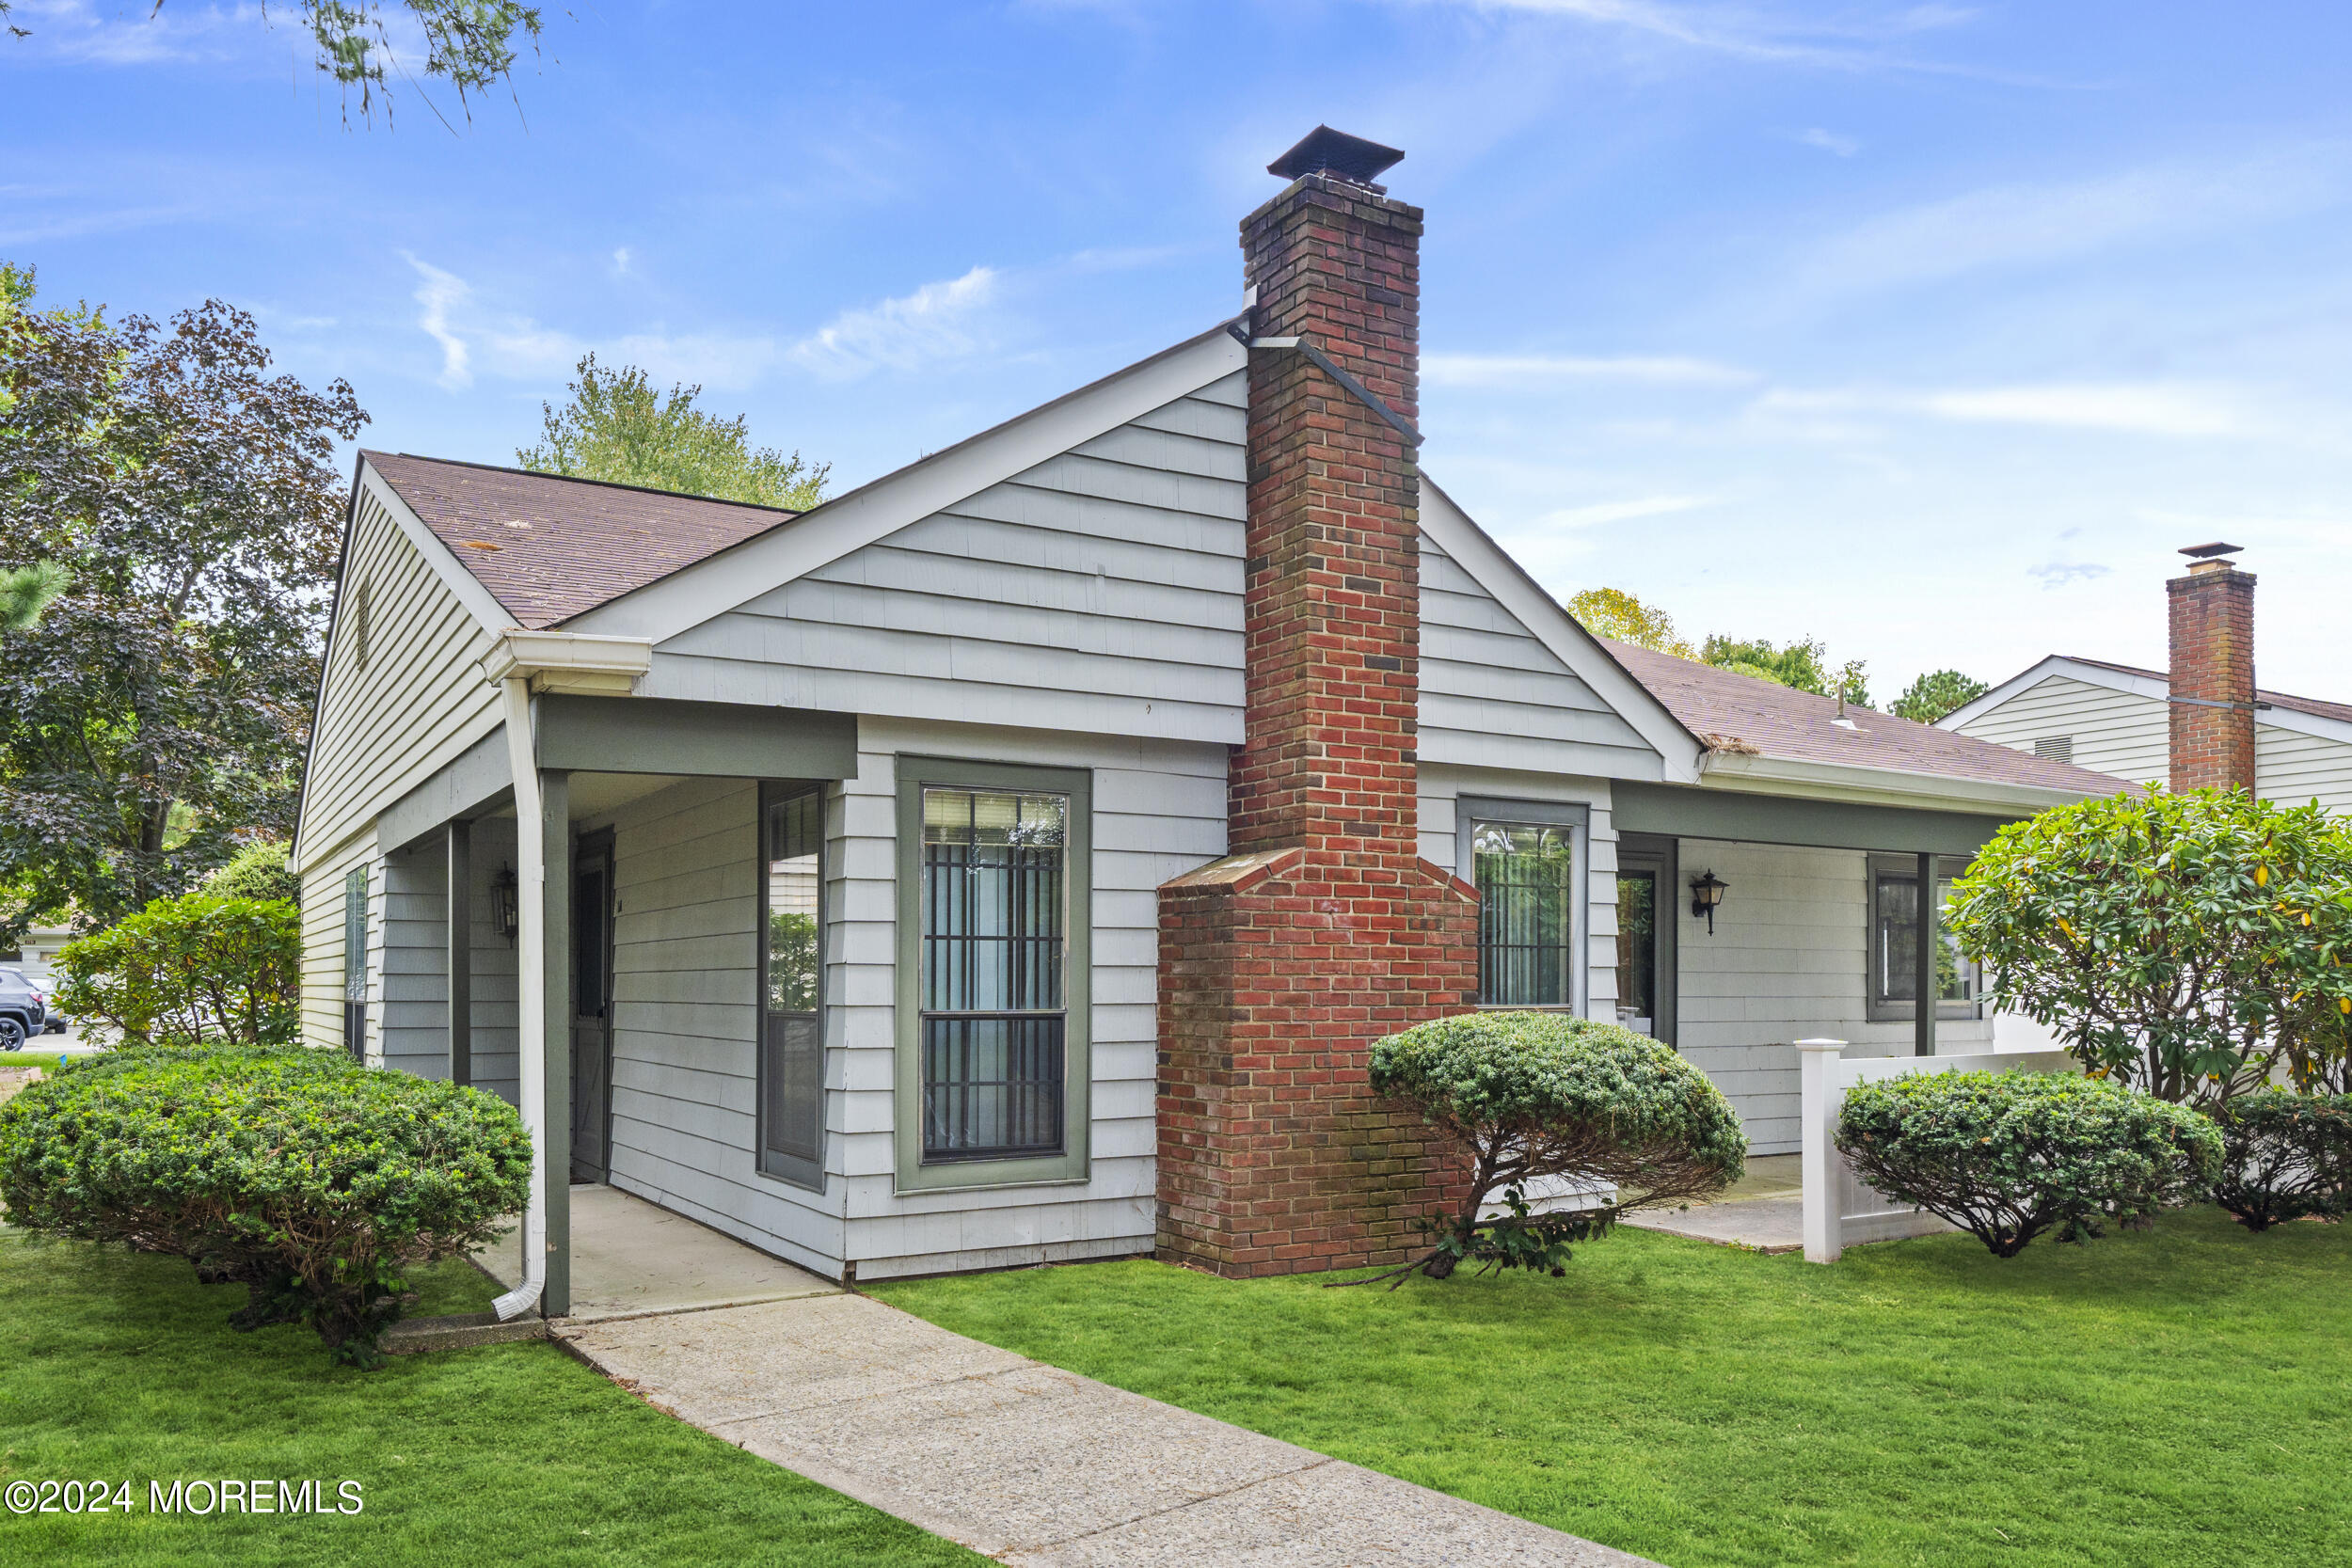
(2284,1156)
(259,871)
(1528,1095)
(314,1181)
(189,970)
(2007,1156)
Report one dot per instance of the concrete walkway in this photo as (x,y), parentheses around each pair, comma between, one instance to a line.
(1764,1210)
(1030,1464)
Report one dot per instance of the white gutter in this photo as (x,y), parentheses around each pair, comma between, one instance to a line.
(530,943)
(1833,781)
(519,663)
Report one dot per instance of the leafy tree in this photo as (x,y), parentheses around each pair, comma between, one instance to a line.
(470,44)
(1935,694)
(1802,665)
(157,710)
(617,427)
(26,590)
(2185,944)
(196,969)
(261,869)
(1614,613)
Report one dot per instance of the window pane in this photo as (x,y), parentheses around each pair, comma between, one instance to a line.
(1895,927)
(1523,874)
(1955,976)
(792,1038)
(1637,950)
(994,894)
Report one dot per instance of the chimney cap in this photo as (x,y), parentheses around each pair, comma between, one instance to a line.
(1324,149)
(2210,552)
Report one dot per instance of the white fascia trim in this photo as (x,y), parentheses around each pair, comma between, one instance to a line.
(2266,716)
(710,586)
(1835,780)
(2153,688)
(565,654)
(1474,550)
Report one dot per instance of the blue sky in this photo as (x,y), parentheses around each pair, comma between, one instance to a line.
(1927,330)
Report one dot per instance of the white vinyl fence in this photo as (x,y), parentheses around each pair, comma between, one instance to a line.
(1840,1211)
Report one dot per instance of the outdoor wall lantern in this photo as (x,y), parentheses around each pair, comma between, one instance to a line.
(502,889)
(1707,894)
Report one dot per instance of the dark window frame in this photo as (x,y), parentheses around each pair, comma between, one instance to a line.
(1880,1009)
(1576,818)
(1070,1164)
(355,963)
(805,1171)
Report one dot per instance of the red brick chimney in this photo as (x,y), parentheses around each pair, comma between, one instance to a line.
(1323,929)
(2212,624)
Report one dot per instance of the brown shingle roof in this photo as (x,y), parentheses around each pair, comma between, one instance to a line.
(549,548)
(2313,706)
(1741,713)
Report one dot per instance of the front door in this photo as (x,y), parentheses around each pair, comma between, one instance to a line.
(1646,905)
(592,1008)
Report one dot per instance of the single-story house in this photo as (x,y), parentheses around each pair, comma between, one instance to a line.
(1011,859)
(2200,722)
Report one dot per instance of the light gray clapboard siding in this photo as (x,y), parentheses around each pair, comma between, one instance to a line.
(1159,811)
(415,981)
(496,1064)
(2117,733)
(685,1020)
(1788,961)
(2294,769)
(380,730)
(1100,592)
(1494,696)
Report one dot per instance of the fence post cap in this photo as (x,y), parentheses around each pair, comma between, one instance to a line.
(1821,1045)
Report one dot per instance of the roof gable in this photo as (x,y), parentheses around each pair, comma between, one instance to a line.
(547,546)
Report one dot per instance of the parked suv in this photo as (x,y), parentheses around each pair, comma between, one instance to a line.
(23,1010)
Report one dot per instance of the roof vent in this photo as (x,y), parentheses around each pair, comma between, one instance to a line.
(2055,747)
(1324,151)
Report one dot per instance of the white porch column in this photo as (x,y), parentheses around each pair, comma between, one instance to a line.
(531,936)
(1817,1163)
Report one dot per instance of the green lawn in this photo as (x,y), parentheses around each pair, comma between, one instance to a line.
(123,1367)
(2176,1397)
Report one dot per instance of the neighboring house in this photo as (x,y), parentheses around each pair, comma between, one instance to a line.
(36,951)
(2204,722)
(1012,860)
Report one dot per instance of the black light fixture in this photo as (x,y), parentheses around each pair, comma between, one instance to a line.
(1707,894)
(502,888)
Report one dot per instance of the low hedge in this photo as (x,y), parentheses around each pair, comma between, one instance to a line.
(2009,1155)
(1528,1095)
(2284,1156)
(315,1182)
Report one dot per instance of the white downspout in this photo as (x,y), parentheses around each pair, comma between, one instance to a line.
(531,937)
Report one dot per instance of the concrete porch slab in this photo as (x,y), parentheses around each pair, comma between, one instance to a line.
(631,1258)
(1765,1224)
(1030,1464)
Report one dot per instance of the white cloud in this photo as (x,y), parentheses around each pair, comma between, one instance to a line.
(938,321)
(2057,573)
(2131,408)
(1618,512)
(439,293)
(2028,224)
(1518,370)
(1830,141)
(1849,41)
(620,260)
(83,31)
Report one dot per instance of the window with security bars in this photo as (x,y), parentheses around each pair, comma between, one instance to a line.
(995,1014)
(1524,875)
(792,1058)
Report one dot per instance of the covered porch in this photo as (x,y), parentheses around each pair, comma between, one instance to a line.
(596,948)
(1744,923)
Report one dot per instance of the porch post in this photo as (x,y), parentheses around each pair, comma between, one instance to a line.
(460,951)
(555,1042)
(1817,1161)
(1924,1009)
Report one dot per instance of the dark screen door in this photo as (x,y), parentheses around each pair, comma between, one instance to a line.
(591,1008)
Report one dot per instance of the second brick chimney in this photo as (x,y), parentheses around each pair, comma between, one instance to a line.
(1323,929)
(2212,624)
